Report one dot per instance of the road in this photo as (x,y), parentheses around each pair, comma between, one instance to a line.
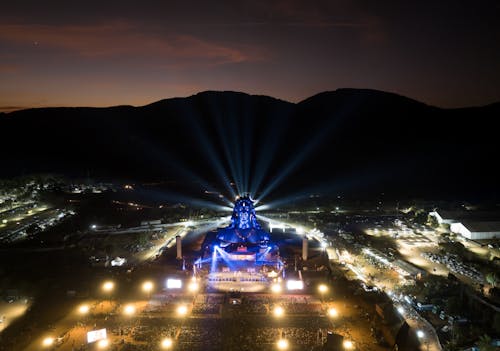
(9,312)
(430,339)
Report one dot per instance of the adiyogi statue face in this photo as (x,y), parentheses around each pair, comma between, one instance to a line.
(244,218)
(244,215)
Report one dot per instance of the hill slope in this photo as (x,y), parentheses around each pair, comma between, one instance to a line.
(347,139)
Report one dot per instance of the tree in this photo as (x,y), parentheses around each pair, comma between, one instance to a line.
(484,343)
(492,278)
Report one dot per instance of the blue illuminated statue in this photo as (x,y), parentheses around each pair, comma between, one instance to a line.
(244,228)
(244,215)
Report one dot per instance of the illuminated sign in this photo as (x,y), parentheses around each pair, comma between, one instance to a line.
(174,283)
(96,335)
(295,285)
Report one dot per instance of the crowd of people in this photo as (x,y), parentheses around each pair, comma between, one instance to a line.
(251,324)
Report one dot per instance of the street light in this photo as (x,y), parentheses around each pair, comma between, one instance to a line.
(276,288)
(332,312)
(348,344)
(49,341)
(278,311)
(167,343)
(193,286)
(282,344)
(147,287)
(102,344)
(108,286)
(182,310)
(322,290)
(84,309)
(421,335)
(129,310)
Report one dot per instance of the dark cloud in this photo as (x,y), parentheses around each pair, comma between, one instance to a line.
(440,52)
(122,38)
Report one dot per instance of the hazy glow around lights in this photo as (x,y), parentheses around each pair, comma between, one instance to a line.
(167,343)
(282,344)
(147,286)
(332,312)
(83,309)
(103,343)
(48,341)
(348,344)
(182,310)
(108,286)
(279,311)
(129,310)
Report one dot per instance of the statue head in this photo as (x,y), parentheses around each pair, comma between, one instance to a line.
(244,214)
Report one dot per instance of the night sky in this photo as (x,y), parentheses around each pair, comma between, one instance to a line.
(101,53)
